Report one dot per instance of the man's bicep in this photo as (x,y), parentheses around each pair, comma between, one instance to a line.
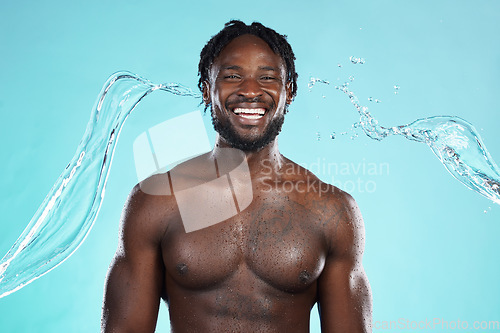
(344,296)
(344,299)
(135,279)
(131,300)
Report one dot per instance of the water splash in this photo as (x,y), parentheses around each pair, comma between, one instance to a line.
(60,226)
(453,140)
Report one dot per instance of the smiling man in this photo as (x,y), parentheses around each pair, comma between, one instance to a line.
(297,242)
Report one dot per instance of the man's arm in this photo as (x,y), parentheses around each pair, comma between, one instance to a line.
(344,296)
(135,279)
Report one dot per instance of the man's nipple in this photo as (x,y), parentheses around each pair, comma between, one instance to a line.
(304,277)
(182,268)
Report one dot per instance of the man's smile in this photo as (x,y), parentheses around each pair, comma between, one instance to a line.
(249,113)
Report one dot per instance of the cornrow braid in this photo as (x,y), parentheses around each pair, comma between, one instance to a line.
(236,28)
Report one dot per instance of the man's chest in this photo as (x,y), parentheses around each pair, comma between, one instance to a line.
(279,243)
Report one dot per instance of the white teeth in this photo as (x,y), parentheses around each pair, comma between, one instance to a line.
(258,112)
(251,116)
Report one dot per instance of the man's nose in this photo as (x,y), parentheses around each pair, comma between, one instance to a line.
(250,88)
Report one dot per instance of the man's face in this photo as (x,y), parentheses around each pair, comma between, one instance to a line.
(248,91)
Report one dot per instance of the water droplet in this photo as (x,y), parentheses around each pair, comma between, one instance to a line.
(351,78)
(339,65)
(370,99)
(314,80)
(355,60)
(318,136)
(332,136)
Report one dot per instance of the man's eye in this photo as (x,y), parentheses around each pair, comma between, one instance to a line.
(267,78)
(231,76)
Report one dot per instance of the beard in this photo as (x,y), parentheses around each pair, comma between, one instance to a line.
(227,132)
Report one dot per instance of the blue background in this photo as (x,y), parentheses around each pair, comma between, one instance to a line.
(432,245)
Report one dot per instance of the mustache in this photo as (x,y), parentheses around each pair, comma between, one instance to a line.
(243,99)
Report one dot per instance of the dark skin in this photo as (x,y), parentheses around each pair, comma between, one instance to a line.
(300,241)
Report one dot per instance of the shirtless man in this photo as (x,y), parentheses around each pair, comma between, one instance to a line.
(299,241)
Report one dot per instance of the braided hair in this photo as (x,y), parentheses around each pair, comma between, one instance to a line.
(236,28)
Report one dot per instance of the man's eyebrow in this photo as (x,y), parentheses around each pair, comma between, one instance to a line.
(267,68)
(232,67)
(262,68)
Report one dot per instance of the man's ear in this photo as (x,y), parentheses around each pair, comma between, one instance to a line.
(206,92)
(289,95)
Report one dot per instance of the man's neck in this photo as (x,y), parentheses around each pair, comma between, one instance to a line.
(260,162)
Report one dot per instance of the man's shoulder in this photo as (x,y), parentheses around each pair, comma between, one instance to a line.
(335,207)
(150,205)
(311,186)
